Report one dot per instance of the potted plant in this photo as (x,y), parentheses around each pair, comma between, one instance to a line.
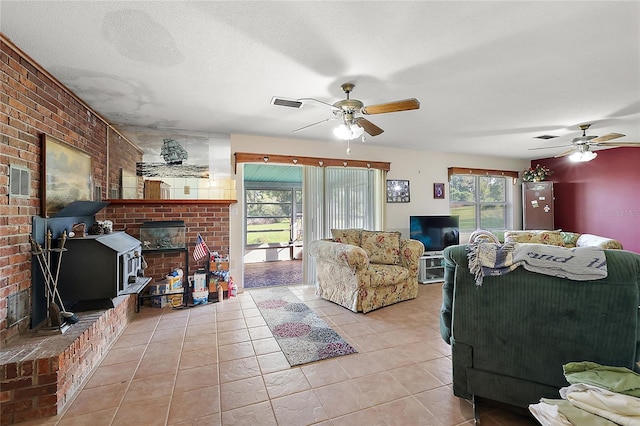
(536,174)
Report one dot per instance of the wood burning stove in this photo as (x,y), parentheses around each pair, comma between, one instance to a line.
(93,268)
(100,267)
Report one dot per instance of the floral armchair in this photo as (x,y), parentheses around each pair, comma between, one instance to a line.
(365,270)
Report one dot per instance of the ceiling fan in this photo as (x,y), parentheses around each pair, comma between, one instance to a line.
(352,126)
(581,146)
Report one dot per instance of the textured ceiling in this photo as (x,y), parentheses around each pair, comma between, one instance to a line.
(490,76)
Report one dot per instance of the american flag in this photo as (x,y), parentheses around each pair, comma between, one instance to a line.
(201,250)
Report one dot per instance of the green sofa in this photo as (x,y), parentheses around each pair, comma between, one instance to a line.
(511,336)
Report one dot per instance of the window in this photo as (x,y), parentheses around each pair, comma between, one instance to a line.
(349,198)
(480,201)
(274,215)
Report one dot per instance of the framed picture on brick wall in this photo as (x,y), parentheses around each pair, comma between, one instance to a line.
(67,175)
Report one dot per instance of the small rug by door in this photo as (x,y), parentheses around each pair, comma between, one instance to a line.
(271,274)
(301,334)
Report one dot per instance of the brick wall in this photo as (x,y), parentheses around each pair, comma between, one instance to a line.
(120,154)
(33,103)
(210,218)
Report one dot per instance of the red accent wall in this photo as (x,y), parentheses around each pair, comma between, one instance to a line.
(600,197)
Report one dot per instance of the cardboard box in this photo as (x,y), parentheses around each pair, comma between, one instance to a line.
(219,266)
(168,300)
(161,287)
(213,286)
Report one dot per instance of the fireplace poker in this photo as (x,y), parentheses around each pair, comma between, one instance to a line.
(69,316)
(47,290)
(48,249)
(49,280)
(53,313)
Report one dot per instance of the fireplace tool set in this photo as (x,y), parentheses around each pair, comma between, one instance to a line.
(58,315)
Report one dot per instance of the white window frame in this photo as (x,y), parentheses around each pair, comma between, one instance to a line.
(508,203)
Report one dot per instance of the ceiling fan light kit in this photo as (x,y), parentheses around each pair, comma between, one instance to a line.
(352,127)
(583,156)
(348,132)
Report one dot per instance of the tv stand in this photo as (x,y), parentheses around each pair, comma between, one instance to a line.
(431,267)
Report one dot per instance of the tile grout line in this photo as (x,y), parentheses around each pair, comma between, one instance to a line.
(175,376)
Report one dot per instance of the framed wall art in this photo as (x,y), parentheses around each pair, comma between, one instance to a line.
(438,190)
(67,173)
(398,191)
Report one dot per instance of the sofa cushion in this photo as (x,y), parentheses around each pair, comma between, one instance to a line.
(347,236)
(381,247)
(570,238)
(552,238)
(382,275)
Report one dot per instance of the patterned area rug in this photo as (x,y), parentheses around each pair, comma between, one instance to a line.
(301,334)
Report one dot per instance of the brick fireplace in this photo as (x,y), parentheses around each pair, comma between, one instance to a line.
(40,375)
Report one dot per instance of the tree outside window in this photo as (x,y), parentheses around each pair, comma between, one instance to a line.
(479,201)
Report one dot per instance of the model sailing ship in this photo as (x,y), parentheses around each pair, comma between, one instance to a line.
(172,152)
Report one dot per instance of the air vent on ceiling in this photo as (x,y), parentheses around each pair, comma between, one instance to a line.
(292,103)
(545,137)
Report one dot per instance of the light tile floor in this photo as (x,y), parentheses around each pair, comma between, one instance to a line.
(218,364)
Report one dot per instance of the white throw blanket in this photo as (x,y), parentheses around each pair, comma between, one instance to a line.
(578,264)
(619,408)
(559,412)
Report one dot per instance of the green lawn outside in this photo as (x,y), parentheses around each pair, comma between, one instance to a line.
(467,217)
(271,233)
(490,219)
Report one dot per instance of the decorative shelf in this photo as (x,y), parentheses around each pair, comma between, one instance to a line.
(166,202)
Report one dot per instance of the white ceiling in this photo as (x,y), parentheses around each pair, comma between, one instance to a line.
(490,76)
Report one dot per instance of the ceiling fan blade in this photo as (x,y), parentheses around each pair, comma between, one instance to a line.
(313,124)
(303,100)
(548,147)
(564,153)
(607,137)
(618,144)
(404,105)
(368,126)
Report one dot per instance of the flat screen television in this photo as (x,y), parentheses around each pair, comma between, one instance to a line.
(435,232)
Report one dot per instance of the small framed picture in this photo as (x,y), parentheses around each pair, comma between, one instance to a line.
(398,191)
(438,190)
